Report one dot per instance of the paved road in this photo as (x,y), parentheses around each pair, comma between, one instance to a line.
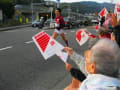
(23,68)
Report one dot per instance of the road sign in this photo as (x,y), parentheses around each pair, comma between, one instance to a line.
(58,0)
(1,15)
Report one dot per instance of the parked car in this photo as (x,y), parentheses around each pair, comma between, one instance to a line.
(68,23)
(95,21)
(35,23)
(49,24)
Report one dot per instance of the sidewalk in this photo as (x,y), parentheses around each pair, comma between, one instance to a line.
(14,27)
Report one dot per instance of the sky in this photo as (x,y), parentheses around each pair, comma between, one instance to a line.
(99,1)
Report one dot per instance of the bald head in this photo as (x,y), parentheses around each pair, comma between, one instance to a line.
(106,55)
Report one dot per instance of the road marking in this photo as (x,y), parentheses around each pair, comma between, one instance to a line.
(72,31)
(11,31)
(28,42)
(45,30)
(6,48)
(42,30)
(65,33)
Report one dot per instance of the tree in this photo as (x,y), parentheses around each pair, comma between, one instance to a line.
(7,7)
(28,1)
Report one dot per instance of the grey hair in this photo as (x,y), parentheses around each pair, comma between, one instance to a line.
(106,55)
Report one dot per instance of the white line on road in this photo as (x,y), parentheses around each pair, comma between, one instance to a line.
(6,48)
(34,30)
(44,30)
(72,31)
(28,42)
(11,31)
(65,33)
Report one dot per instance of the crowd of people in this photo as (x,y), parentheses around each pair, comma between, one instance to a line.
(99,68)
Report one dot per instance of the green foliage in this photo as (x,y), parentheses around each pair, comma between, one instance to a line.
(7,7)
(6,1)
(12,23)
(28,1)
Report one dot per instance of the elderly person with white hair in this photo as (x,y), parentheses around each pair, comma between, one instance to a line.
(102,65)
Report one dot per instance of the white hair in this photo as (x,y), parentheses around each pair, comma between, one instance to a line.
(106,55)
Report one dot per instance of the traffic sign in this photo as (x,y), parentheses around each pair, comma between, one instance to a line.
(58,0)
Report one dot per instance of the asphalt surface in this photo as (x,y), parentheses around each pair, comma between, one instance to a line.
(22,67)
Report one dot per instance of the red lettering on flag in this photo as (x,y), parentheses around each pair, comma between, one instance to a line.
(42,40)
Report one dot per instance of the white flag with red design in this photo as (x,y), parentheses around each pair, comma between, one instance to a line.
(62,55)
(103,12)
(47,45)
(82,36)
(117,10)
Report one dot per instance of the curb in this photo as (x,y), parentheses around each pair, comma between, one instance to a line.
(14,27)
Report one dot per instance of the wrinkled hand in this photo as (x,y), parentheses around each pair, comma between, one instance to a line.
(68,66)
(69,51)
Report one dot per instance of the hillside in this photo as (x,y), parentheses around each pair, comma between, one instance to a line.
(87,7)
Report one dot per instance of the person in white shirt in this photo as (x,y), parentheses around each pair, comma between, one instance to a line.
(102,65)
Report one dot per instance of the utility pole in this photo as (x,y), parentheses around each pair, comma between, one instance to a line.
(111,8)
(32,9)
(51,23)
(69,10)
(77,13)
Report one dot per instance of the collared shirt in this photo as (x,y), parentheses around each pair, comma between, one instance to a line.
(100,82)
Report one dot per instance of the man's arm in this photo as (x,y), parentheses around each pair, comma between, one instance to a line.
(78,59)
